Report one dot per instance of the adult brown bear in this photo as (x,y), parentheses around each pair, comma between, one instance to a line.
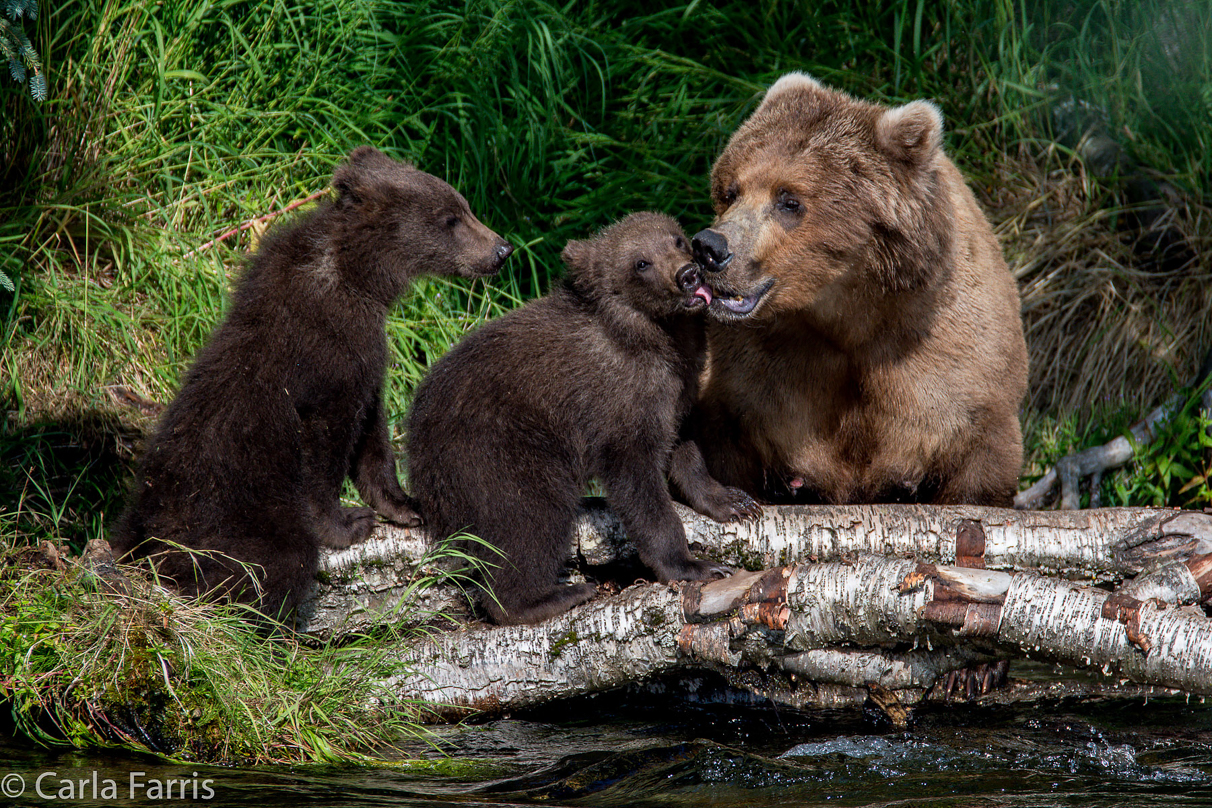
(866,343)
(285,400)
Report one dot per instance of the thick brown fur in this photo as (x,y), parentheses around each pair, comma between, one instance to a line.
(866,343)
(285,400)
(590,381)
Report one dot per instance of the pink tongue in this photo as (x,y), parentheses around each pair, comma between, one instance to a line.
(703,292)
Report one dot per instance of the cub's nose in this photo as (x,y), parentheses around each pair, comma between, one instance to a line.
(503,251)
(711,250)
(689,278)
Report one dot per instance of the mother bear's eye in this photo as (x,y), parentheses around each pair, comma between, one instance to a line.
(787,202)
(729,195)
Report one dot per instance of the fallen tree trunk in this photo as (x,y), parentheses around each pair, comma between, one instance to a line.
(846,603)
(361,586)
(835,623)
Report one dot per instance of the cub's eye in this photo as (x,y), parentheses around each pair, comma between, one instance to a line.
(787,202)
(451,221)
(641,265)
(680,243)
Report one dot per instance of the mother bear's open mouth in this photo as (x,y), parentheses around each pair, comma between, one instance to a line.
(730,304)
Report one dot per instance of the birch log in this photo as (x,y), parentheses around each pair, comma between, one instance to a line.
(836,623)
(363,585)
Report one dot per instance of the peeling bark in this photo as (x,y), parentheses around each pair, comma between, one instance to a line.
(361,583)
(834,624)
(870,604)
(1100,545)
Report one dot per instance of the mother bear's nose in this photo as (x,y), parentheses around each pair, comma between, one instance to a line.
(710,250)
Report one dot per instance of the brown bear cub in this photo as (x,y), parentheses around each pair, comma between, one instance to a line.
(590,381)
(865,343)
(285,400)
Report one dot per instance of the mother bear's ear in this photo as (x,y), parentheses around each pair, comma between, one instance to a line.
(912,133)
(792,81)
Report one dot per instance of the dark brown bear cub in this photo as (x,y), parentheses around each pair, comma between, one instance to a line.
(590,381)
(286,399)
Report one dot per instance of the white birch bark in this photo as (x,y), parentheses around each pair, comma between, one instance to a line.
(361,584)
(1065,623)
(1061,621)
(1102,545)
(836,625)
(603,644)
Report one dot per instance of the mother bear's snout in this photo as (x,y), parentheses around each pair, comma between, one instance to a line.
(711,250)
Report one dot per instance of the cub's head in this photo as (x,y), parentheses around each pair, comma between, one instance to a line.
(642,262)
(412,221)
(822,200)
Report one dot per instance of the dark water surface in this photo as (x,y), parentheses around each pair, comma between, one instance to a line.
(641,750)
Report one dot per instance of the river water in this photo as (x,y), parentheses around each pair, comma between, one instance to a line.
(637,749)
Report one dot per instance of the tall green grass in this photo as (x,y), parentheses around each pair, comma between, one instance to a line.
(168,123)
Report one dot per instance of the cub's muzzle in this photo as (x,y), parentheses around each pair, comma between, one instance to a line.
(689,278)
(690,281)
(503,251)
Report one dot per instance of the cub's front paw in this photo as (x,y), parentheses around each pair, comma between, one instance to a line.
(402,513)
(353,526)
(732,505)
(697,569)
(741,507)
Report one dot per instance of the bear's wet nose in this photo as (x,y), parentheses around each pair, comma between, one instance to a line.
(689,278)
(711,250)
(504,250)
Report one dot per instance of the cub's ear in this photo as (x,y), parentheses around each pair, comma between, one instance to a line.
(354,179)
(581,269)
(576,254)
(912,133)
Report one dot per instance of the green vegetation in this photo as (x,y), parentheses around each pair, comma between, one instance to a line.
(167,124)
(95,659)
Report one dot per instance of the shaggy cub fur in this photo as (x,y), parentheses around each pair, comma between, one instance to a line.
(285,400)
(590,381)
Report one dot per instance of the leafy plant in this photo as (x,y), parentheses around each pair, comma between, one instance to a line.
(1174,468)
